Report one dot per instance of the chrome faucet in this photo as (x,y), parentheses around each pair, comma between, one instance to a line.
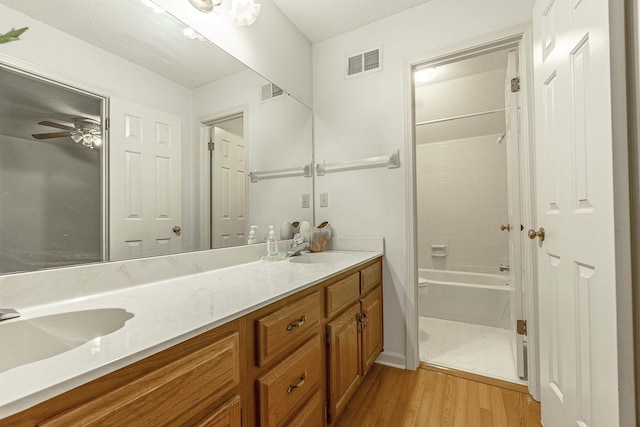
(504,268)
(297,245)
(8,313)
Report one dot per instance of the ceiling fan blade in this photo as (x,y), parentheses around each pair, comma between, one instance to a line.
(56,125)
(51,135)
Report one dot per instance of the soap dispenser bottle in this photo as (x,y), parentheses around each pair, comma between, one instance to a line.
(272,244)
(252,236)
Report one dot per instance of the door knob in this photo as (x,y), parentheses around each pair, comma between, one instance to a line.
(177,229)
(505,227)
(539,234)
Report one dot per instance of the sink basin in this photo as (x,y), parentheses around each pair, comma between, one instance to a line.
(318,258)
(29,340)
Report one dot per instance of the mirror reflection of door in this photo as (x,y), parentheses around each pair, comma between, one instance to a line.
(228,182)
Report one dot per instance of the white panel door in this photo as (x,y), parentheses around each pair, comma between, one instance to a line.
(512,140)
(145,171)
(574,174)
(229,209)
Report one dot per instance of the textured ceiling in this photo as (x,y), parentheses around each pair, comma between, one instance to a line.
(323,19)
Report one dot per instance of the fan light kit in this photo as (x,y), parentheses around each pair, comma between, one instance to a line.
(84,130)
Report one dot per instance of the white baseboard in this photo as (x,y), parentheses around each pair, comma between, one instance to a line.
(395,360)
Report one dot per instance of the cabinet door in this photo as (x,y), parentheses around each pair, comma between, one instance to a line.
(344,359)
(371,306)
(227,415)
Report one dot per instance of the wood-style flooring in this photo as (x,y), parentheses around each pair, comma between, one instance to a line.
(426,398)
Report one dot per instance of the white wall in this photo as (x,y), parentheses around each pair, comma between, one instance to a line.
(364,117)
(462,200)
(272,46)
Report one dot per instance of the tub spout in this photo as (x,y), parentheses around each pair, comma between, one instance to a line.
(8,313)
(504,268)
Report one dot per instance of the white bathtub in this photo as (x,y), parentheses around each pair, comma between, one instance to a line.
(482,299)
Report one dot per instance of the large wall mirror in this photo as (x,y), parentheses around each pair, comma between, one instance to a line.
(124,134)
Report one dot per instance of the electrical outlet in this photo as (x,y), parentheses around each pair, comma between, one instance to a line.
(324,200)
(305,200)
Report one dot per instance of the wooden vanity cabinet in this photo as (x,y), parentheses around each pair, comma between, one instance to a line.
(287,368)
(354,340)
(295,362)
(197,382)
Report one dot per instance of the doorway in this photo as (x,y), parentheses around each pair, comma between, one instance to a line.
(467,184)
(227,192)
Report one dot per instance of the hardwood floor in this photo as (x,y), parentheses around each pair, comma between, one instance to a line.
(426,398)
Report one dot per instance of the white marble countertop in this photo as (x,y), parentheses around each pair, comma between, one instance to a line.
(165,313)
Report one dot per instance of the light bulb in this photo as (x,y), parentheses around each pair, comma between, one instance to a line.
(426,75)
(87,140)
(244,12)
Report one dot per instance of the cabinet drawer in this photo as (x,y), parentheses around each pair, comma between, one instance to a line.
(195,381)
(311,414)
(282,390)
(227,415)
(371,276)
(342,293)
(282,330)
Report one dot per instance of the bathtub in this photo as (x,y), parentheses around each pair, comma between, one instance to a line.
(482,299)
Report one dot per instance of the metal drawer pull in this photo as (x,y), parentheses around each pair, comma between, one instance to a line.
(297,323)
(300,383)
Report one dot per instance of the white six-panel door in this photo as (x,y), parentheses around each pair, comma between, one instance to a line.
(229,209)
(145,191)
(574,180)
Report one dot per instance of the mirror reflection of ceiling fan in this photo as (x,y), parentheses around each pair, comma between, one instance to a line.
(84,130)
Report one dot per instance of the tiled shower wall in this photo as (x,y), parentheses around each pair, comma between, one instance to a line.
(462,201)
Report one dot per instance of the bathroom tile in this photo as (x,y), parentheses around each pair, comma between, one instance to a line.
(478,349)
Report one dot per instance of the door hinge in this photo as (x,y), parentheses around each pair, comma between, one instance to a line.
(521,327)
(107,123)
(515,84)
(211,146)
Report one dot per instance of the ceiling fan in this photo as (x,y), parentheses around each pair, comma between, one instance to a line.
(84,130)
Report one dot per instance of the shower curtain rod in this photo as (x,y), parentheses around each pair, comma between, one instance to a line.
(464,116)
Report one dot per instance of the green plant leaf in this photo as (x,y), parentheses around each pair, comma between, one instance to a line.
(12,35)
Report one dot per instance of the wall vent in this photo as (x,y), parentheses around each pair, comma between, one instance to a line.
(270,91)
(364,62)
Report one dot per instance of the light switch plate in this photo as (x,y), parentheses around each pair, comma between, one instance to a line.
(324,200)
(305,200)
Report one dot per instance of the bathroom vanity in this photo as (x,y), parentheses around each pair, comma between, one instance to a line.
(289,345)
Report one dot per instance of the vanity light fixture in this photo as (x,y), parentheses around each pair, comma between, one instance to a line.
(240,12)
(426,75)
(243,12)
(205,5)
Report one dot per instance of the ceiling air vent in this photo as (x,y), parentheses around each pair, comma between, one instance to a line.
(364,62)
(270,91)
